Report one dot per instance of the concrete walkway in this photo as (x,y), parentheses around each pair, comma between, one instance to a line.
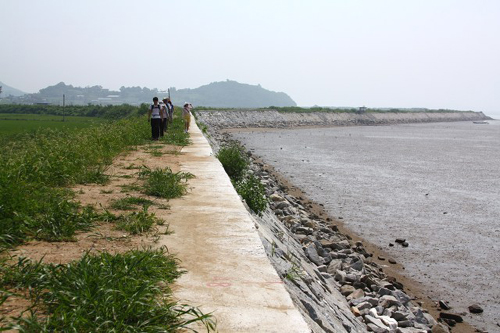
(228,272)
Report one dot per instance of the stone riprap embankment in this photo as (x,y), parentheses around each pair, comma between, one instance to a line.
(332,279)
(221,119)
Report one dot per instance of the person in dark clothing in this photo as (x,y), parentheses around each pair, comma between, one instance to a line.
(154,117)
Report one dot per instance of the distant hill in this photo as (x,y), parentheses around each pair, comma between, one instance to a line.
(9,91)
(227,94)
(231,94)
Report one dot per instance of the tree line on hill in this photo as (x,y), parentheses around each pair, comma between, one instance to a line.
(225,94)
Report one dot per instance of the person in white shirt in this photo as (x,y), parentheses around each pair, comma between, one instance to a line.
(154,117)
(186,114)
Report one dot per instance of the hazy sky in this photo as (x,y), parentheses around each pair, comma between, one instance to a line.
(378,53)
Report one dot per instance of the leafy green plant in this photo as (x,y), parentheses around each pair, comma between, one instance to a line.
(253,192)
(164,183)
(103,292)
(138,222)
(233,160)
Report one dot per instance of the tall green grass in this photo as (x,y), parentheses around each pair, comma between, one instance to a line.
(35,169)
(164,183)
(101,293)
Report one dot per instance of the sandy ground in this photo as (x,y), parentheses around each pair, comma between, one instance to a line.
(104,237)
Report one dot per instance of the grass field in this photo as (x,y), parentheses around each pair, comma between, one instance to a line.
(11,124)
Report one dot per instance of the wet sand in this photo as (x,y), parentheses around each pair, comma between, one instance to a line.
(437,185)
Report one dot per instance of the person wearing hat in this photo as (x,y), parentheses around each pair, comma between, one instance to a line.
(186,115)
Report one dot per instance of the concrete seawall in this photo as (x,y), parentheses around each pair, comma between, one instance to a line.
(221,119)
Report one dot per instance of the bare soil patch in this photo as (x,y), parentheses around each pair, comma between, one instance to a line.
(104,237)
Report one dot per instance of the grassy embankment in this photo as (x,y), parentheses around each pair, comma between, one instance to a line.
(97,292)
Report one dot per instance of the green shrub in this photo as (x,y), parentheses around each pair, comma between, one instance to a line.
(253,192)
(233,160)
(164,183)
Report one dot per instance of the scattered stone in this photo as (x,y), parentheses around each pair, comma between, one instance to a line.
(381,258)
(400,240)
(475,308)
(444,305)
(355,311)
(390,244)
(452,316)
(276,197)
(392,261)
(388,300)
(440,328)
(347,289)
(405,244)
(358,293)
(312,254)
(377,322)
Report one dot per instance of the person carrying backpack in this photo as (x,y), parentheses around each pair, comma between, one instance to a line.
(154,117)
(169,113)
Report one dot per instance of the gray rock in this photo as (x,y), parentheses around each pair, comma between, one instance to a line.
(276,197)
(312,254)
(377,329)
(444,305)
(363,306)
(282,205)
(351,277)
(334,265)
(304,230)
(340,276)
(440,328)
(388,300)
(401,296)
(384,291)
(358,293)
(475,308)
(372,300)
(342,245)
(419,316)
(400,315)
(322,268)
(357,265)
(430,319)
(377,322)
(347,289)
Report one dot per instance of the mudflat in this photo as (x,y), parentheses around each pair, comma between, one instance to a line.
(435,185)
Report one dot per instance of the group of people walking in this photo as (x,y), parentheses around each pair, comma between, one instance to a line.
(161,114)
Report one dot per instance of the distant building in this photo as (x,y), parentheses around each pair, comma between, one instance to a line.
(362,109)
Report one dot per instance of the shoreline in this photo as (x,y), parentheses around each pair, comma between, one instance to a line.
(419,293)
(393,274)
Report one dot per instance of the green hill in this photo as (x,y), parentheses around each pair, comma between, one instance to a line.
(231,94)
(225,94)
(9,91)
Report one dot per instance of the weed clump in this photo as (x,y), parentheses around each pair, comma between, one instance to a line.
(102,292)
(164,183)
(234,161)
(236,165)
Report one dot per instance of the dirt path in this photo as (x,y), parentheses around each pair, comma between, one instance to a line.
(228,272)
(104,236)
